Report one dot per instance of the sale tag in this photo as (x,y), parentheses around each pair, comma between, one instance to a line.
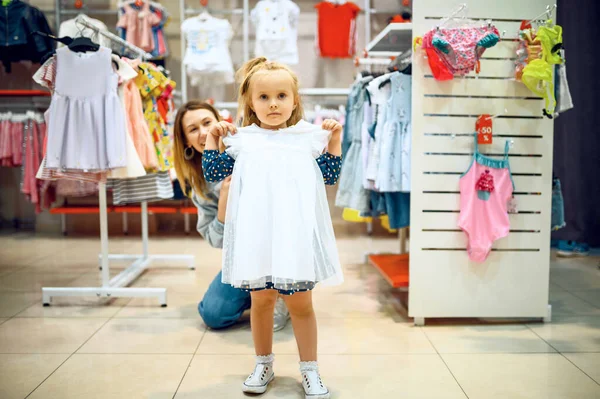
(483,126)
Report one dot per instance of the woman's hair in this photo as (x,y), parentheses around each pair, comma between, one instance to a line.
(244,77)
(189,173)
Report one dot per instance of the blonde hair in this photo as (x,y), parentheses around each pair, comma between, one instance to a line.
(189,173)
(244,77)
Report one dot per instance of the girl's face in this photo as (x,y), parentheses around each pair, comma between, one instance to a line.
(196,125)
(272,98)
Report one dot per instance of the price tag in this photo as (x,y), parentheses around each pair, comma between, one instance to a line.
(483,126)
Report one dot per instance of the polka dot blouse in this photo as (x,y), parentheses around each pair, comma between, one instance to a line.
(217,166)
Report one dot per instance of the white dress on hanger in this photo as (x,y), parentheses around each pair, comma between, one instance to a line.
(278,228)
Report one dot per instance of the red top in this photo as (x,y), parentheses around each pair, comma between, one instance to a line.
(337,29)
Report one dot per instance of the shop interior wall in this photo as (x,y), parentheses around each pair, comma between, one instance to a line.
(312,70)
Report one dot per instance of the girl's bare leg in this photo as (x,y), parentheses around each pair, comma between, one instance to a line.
(304,323)
(261,320)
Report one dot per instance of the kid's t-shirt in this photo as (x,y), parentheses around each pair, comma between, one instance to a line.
(276,30)
(337,29)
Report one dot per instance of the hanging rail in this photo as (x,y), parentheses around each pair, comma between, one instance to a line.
(81,19)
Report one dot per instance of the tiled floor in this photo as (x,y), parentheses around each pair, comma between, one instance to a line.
(131,348)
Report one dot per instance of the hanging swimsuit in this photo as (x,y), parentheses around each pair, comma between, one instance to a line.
(461,48)
(538,74)
(485,189)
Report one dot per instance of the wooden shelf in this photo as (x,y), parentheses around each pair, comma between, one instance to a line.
(394,268)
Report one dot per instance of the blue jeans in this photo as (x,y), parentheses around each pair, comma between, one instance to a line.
(223,304)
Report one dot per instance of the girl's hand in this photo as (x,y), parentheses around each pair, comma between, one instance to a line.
(222,128)
(335,141)
(333,126)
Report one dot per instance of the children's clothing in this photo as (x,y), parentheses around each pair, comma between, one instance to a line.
(276,30)
(336,32)
(278,230)
(86,127)
(138,25)
(485,189)
(218,166)
(461,48)
(558,206)
(207,55)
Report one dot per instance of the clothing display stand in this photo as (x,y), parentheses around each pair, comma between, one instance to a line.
(513,282)
(393,40)
(117,286)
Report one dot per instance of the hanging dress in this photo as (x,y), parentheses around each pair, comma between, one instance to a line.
(86,126)
(278,228)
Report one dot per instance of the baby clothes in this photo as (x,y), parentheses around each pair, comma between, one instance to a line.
(138,25)
(485,189)
(86,126)
(276,30)
(336,34)
(278,231)
(207,55)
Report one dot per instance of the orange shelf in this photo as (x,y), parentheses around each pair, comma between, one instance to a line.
(151,209)
(394,268)
(24,93)
(189,210)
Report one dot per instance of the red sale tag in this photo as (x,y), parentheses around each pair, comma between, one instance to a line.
(483,126)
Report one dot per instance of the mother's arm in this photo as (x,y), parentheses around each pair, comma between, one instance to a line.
(209,226)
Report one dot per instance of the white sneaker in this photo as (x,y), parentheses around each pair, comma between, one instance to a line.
(262,375)
(311,381)
(281,315)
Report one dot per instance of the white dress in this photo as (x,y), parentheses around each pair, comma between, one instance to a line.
(86,123)
(278,228)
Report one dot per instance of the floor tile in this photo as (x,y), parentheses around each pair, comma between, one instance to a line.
(46,335)
(12,303)
(576,278)
(520,376)
(571,334)
(33,280)
(336,336)
(182,302)
(178,336)
(3,320)
(115,376)
(67,307)
(20,374)
(485,339)
(589,363)
(591,296)
(414,376)
(567,303)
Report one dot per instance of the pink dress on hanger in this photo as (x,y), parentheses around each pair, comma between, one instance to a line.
(138,25)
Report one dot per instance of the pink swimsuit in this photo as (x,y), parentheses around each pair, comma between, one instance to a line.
(461,48)
(485,189)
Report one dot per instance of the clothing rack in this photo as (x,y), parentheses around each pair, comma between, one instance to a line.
(245,12)
(118,285)
(82,20)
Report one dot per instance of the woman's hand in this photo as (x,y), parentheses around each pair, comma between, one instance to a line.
(222,128)
(335,141)
(223,195)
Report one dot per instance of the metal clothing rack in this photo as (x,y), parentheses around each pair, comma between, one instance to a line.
(118,285)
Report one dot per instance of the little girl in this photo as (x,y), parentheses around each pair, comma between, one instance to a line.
(278,232)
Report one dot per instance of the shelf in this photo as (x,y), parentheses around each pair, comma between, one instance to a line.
(394,268)
(24,93)
(395,39)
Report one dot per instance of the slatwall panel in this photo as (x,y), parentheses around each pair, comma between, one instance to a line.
(513,282)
